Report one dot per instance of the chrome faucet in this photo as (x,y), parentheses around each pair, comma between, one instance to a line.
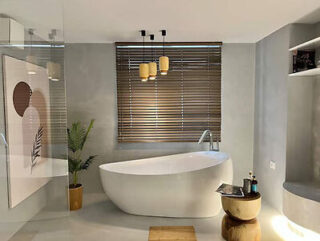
(204,134)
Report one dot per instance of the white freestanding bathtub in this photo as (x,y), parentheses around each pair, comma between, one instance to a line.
(181,185)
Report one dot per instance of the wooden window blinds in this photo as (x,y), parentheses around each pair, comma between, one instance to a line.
(177,107)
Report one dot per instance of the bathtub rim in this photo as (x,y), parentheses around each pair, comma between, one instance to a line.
(102,166)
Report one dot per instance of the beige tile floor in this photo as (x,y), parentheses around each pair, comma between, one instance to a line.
(101,220)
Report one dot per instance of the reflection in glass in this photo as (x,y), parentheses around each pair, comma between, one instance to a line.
(33,143)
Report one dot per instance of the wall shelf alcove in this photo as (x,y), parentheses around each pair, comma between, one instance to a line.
(306,73)
(313,44)
(301,189)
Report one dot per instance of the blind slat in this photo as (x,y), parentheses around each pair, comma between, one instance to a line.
(177,107)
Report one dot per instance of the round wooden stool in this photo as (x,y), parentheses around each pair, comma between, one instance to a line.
(242,208)
(240,223)
(234,230)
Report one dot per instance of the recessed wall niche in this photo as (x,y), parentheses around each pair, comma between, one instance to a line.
(303,117)
(301,196)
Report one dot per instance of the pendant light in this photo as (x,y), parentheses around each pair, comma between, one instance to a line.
(163,60)
(153,64)
(31,60)
(143,67)
(53,69)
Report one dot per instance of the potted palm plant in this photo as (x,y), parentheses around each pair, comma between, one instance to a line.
(77,136)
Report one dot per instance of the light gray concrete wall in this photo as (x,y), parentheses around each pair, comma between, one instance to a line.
(238,61)
(272,67)
(316,130)
(302,115)
(299,165)
(316,118)
(283,114)
(318,29)
(91,93)
(300,33)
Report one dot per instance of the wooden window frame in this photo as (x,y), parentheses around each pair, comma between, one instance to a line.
(176,107)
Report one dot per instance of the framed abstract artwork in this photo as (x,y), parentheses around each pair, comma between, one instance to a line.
(27,115)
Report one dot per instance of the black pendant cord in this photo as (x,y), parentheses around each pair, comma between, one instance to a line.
(143,50)
(54,57)
(152,49)
(163,33)
(54,50)
(54,54)
(51,46)
(162,45)
(143,34)
(51,43)
(31,40)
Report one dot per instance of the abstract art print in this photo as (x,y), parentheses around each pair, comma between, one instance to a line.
(27,111)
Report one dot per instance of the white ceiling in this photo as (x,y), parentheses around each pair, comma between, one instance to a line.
(101,21)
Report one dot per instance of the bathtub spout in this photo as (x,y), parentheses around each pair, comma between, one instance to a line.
(204,134)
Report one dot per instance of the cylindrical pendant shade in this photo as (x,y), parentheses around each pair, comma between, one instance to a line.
(144,72)
(54,71)
(164,65)
(31,64)
(152,70)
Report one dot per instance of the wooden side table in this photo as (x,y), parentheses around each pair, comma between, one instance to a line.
(242,208)
(240,223)
(233,230)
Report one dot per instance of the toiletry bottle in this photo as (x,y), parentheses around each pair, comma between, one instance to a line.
(254,185)
(246,186)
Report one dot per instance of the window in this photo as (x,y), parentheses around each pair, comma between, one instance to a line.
(177,107)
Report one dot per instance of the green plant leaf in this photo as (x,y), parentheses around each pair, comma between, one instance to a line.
(87,133)
(74,165)
(86,164)
(76,136)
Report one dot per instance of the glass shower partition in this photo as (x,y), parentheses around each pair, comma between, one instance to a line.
(33,118)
